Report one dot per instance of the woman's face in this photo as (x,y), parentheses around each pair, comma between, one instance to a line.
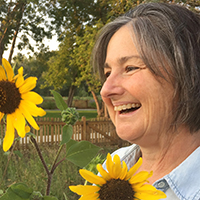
(139,103)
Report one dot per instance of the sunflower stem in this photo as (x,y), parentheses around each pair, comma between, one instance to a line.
(56,158)
(40,155)
(44,164)
(55,164)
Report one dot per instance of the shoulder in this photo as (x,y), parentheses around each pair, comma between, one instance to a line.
(125,151)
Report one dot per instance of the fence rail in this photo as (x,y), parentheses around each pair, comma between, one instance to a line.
(98,131)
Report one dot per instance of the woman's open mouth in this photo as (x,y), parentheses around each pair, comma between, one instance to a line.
(126,108)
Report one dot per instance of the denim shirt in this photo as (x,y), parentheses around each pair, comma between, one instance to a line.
(182,183)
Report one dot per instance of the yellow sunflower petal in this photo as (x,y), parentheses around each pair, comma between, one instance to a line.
(33,109)
(140,177)
(123,171)
(117,166)
(94,196)
(109,165)
(28,85)
(84,189)
(92,178)
(106,176)
(2,73)
(149,195)
(1,115)
(28,116)
(135,186)
(19,78)
(19,123)
(8,68)
(147,188)
(33,97)
(134,169)
(9,137)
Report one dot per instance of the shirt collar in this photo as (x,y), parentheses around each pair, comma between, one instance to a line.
(184,180)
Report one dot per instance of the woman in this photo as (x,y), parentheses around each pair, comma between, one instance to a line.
(149,61)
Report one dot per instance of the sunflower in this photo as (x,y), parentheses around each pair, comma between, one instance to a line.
(117,183)
(17,103)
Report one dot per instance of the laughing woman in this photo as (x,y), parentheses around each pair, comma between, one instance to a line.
(149,62)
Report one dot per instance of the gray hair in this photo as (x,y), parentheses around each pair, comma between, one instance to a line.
(167,37)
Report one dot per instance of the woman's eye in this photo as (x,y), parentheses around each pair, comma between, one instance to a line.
(131,68)
(107,74)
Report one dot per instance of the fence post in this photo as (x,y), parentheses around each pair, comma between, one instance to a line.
(41,132)
(52,130)
(83,119)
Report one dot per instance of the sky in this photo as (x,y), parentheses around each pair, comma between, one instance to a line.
(53,45)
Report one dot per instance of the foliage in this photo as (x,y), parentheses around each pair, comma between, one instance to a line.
(26,17)
(29,169)
(193,5)
(82,58)
(35,66)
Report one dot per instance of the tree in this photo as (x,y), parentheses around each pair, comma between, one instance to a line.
(35,66)
(84,45)
(60,72)
(193,5)
(81,57)
(69,16)
(25,17)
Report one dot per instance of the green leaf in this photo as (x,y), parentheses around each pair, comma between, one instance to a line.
(60,103)
(18,153)
(49,198)
(10,195)
(18,191)
(22,190)
(82,153)
(67,134)
(70,143)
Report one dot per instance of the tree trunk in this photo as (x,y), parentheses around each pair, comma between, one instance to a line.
(105,110)
(99,111)
(16,32)
(1,53)
(5,29)
(13,46)
(71,95)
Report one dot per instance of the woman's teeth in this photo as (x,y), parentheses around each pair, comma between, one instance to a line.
(127,106)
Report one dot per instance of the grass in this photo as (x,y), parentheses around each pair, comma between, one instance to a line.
(29,170)
(87,113)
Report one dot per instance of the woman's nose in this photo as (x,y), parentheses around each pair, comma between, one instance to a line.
(111,87)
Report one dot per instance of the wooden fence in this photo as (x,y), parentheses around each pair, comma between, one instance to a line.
(100,131)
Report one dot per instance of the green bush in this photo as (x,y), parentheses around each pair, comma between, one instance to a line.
(48,104)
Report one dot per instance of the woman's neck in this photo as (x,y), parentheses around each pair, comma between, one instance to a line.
(168,153)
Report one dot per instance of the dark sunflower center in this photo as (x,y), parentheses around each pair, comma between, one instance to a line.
(9,97)
(116,189)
